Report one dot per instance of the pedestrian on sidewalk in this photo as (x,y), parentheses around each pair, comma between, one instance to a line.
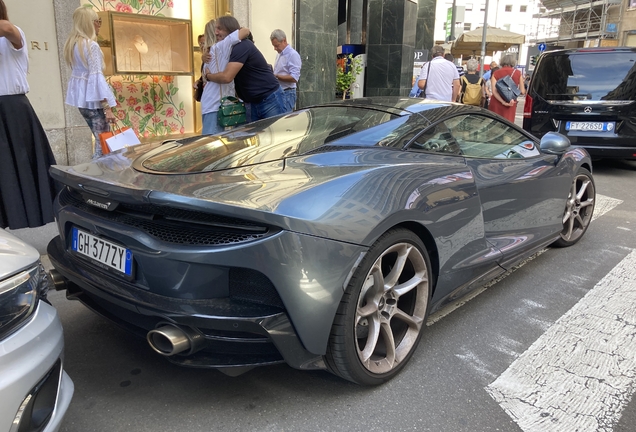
(497,104)
(286,67)
(26,190)
(440,78)
(87,88)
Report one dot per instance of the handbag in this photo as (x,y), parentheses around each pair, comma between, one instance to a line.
(428,72)
(231,112)
(198,92)
(117,139)
(507,88)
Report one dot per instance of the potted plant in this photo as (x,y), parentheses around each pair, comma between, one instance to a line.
(348,69)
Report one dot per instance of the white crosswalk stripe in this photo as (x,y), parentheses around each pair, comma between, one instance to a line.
(580,374)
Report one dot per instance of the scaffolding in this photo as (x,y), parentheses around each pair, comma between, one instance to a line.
(581,20)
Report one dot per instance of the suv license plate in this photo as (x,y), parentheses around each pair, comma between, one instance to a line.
(590,126)
(102,251)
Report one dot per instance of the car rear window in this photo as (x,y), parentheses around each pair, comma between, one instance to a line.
(597,76)
(272,139)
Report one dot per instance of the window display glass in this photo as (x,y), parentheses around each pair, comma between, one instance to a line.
(142,44)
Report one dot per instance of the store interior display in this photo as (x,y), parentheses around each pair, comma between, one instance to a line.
(143,44)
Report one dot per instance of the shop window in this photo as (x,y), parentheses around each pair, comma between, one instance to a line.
(523,8)
(508,8)
(466,26)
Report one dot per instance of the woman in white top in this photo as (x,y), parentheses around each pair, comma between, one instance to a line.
(218,55)
(26,190)
(87,88)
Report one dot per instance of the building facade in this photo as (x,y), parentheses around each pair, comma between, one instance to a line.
(158,105)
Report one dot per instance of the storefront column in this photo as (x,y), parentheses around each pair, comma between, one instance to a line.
(390,45)
(424,38)
(78,134)
(317,33)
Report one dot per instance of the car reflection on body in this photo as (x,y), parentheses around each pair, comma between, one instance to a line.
(322,238)
(35,391)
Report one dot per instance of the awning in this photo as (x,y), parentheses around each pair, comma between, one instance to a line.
(497,39)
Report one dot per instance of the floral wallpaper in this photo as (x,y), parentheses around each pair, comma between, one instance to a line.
(150,104)
(146,7)
(147,104)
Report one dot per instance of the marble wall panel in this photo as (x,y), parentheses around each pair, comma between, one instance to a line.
(356,25)
(317,24)
(390,55)
(311,14)
(374,22)
(392,21)
(425,24)
(377,65)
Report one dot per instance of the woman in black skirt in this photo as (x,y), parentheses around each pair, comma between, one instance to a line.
(26,190)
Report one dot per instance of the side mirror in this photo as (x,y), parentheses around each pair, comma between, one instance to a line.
(554,143)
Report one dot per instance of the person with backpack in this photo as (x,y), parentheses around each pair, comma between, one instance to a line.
(473,90)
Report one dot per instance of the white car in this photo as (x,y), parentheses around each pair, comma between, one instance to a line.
(35,391)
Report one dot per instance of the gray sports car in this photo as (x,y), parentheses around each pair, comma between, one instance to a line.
(320,238)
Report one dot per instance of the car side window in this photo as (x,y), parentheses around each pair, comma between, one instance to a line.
(436,139)
(486,137)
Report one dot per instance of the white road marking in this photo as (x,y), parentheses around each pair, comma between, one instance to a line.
(475,362)
(603,205)
(580,374)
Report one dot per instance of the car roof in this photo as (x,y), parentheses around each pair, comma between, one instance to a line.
(393,104)
(590,50)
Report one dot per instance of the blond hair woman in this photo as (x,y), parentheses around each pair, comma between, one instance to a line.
(87,88)
(216,55)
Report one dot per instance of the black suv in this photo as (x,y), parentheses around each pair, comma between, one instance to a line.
(589,95)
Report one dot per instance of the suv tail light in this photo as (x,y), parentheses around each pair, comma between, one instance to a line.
(527,107)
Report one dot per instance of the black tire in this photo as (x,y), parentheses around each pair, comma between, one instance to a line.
(579,209)
(382,313)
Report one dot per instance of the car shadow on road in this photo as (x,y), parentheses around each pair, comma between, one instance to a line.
(606,166)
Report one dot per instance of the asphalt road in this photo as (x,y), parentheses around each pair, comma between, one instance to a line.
(122,385)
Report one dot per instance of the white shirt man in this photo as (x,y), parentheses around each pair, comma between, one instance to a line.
(440,77)
(286,67)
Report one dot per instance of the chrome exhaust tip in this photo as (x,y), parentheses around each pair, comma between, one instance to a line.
(170,339)
(58,281)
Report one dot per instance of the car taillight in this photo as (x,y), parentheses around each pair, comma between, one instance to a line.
(527,107)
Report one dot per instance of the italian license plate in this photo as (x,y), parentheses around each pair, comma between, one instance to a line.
(102,251)
(590,126)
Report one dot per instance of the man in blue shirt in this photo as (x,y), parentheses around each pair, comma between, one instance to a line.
(488,73)
(286,67)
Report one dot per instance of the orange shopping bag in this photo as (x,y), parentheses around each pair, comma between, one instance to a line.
(111,133)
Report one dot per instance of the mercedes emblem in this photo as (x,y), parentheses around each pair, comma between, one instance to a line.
(587,109)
